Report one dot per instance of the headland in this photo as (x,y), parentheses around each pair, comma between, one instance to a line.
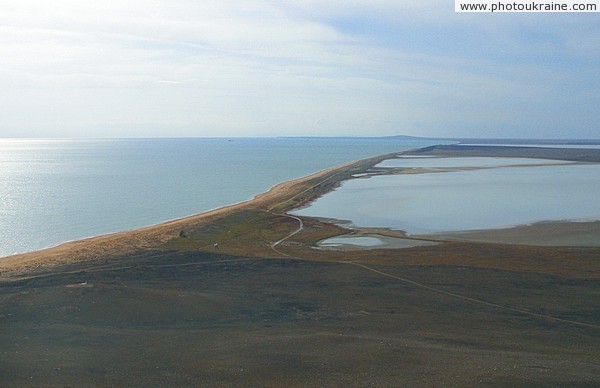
(240,296)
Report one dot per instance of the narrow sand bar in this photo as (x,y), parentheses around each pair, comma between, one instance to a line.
(523,203)
(278,199)
(288,195)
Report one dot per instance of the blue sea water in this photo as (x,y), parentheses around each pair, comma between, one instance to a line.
(52,191)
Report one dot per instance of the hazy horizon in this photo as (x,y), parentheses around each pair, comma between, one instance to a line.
(183,68)
(358,136)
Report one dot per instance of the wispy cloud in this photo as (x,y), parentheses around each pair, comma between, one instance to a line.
(264,67)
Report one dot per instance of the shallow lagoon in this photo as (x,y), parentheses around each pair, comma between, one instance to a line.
(52,191)
(465,200)
(433,162)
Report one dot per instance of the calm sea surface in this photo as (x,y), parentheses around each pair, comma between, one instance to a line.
(465,200)
(52,191)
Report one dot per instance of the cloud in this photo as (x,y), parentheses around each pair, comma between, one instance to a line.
(185,67)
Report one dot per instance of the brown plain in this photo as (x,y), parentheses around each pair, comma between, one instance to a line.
(148,307)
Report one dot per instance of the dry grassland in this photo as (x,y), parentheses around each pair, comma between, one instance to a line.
(150,308)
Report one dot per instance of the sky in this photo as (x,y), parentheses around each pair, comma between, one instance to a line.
(170,68)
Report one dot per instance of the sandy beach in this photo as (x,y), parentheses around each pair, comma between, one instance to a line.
(243,298)
(280,199)
(299,194)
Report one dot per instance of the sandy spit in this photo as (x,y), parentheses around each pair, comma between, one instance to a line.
(126,242)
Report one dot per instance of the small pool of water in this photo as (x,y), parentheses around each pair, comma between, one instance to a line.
(358,241)
(371,242)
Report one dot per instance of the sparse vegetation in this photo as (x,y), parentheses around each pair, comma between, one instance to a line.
(184,312)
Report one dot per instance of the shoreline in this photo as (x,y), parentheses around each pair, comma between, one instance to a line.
(152,234)
(129,241)
(279,199)
(552,233)
(265,307)
(546,233)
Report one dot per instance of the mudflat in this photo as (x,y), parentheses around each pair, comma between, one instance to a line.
(557,233)
(242,298)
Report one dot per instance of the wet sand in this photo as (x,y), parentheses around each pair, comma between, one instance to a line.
(548,233)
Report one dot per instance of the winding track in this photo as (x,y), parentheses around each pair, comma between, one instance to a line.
(421,285)
(275,244)
(300,227)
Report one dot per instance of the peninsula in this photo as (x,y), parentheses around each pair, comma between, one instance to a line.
(242,295)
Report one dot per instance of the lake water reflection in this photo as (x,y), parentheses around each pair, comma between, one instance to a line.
(432,162)
(465,200)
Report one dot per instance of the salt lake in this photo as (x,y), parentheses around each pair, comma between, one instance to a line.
(52,191)
(467,162)
(465,200)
